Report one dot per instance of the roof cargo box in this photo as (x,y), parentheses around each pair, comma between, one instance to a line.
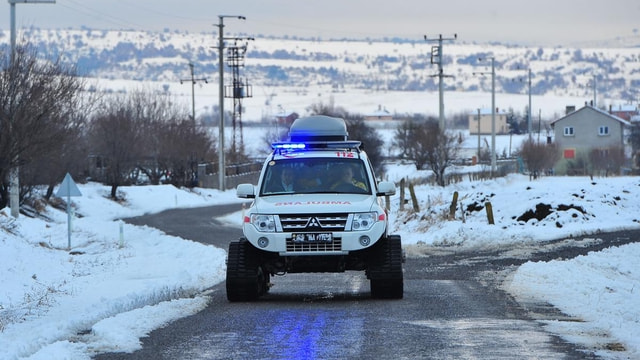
(318,128)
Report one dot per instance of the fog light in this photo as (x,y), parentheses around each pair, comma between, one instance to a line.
(263,242)
(365,240)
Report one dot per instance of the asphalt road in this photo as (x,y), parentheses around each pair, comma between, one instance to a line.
(197,224)
(452,308)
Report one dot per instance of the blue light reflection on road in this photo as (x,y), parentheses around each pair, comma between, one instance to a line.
(312,334)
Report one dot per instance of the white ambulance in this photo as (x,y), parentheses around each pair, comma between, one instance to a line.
(317,207)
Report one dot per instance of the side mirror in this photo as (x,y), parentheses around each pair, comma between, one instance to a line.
(386,188)
(245,191)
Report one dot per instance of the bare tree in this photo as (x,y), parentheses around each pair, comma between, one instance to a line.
(442,148)
(371,141)
(189,146)
(428,146)
(407,139)
(144,132)
(357,129)
(155,113)
(69,156)
(38,100)
(538,156)
(280,133)
(116,137)
(329,109)
(607,161)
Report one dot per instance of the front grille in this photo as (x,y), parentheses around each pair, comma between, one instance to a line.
(335,245)
(313,222)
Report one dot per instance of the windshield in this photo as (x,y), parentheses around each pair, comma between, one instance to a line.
(315,175)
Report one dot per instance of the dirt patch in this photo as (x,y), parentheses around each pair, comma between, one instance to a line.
(543,210)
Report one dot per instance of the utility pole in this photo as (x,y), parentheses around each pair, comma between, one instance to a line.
(193,97)
(594,91)
(530,121)
(493,117)
(237,91)
(221,162)
(436,58)
(14,175)
(493,113)
(478,136)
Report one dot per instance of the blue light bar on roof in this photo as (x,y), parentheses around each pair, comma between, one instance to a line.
(283,145)
(310,145)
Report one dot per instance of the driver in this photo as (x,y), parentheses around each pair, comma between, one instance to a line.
(345,180)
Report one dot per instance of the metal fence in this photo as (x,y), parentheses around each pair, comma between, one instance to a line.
(234,175)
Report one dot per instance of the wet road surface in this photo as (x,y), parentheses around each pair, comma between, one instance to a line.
(452,309)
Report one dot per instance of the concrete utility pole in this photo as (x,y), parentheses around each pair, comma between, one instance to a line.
(478,161)
(493,117)
(595,93)
(193,96)
(14,176)
(221,161)
(530,122)
(436,58)
(493,114)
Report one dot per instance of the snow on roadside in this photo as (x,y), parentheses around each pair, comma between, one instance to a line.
(52,296)
(115,289)
(600,289)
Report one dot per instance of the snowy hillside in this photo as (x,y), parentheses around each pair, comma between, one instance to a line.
(314,67)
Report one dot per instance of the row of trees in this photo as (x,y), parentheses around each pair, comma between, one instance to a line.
(422,141)
(50,126)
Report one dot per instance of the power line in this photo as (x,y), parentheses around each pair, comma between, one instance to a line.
(436,58)
(193,81)
(86,10)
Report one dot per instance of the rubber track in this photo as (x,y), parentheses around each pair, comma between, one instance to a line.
(242,272)
(386,274)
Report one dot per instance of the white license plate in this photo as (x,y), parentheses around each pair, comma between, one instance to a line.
(312,237)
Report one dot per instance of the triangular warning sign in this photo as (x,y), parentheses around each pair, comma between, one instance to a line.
(68,187)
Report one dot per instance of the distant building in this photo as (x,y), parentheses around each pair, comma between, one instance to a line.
(286,119)
(588,128)
(625,112)
(380,114)
(502,127)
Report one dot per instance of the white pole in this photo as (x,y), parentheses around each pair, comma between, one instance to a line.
(441,86)
(493,117)
(14,174)
(69,215)
(221,167)
(121,234)
(530,121)
(478,136)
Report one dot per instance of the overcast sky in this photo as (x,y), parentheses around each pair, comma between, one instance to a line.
(538,22)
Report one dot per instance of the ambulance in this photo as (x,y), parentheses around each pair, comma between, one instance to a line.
(317,208)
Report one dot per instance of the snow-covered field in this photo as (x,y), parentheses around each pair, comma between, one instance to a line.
(120,281)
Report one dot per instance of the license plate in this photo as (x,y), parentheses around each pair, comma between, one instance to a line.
(312,238)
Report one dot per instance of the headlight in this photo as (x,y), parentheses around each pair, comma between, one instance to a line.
(264,223)
(363,221)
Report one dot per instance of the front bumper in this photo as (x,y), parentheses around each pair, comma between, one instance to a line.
(343,242)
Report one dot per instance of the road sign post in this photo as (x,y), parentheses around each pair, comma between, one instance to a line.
(68,188)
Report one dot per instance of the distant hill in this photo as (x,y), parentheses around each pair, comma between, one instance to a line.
(389,65)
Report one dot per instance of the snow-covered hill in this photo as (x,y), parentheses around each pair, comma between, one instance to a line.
(398,73)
